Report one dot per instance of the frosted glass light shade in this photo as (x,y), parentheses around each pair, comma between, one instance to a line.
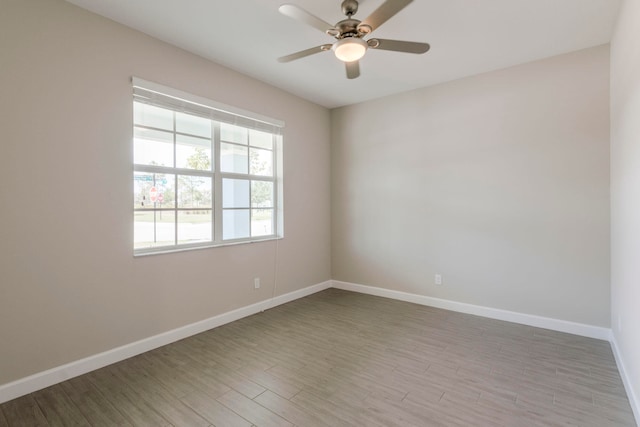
(350,49)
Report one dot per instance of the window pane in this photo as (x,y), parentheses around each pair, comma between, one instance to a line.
(235,224)
(153,228)
(231,133)
(261,194)
(153,190)
(261,162)
(235,193)
(261,222)
(194,226)
(166,187)
(193,153)
(142,183)
(155,117)
(194,192)
(261,139)
(152,147)
(194,125)
(233,158)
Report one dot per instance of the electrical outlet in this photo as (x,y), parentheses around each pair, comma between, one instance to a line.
(256,283)
(438,279)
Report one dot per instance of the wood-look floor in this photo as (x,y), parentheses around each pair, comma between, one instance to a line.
(338,358)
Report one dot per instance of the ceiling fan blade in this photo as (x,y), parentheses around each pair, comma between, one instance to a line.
(296,12)
(353,69)
(303,53)
(383,13)
(398,45)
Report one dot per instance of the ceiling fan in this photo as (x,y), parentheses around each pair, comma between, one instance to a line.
(350,46)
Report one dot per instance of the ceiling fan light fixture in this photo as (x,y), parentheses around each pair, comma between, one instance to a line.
(350,46)
(350,49)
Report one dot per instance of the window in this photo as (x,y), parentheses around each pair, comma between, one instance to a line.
(203,174)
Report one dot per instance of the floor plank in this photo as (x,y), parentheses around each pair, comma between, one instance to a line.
(3,420)
(119,394)
(24,412)
(92,404)
(215,412)
(338,358)
(250,410)
(289,410)
(58,408)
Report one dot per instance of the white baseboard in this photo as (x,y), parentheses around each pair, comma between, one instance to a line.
(58,374)
(633,398)
(492,313)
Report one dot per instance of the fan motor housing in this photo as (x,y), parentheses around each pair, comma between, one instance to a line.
(347,28)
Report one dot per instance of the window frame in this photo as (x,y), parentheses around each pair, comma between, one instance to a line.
(150,93)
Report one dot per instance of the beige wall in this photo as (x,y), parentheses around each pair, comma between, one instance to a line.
(70,286)
(499,182)
(625,192)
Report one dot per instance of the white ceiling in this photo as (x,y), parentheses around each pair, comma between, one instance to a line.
(467,37)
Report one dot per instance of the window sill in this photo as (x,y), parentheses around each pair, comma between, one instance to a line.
(185,248)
